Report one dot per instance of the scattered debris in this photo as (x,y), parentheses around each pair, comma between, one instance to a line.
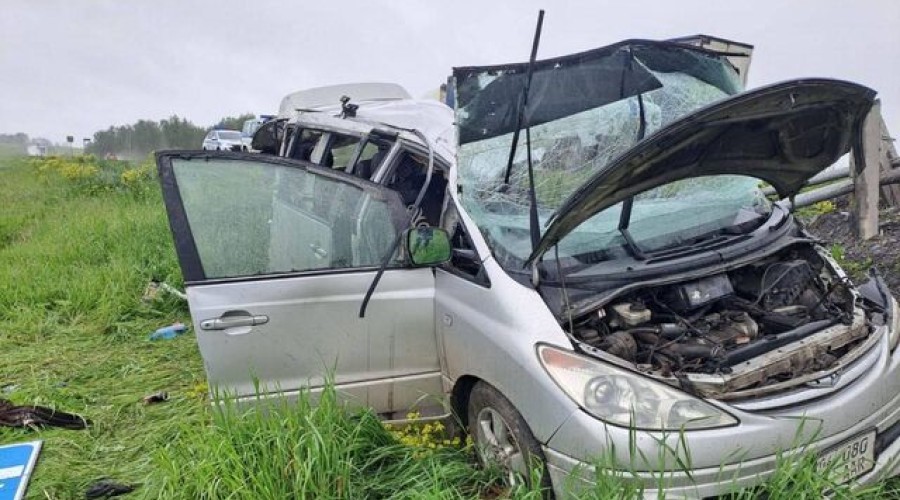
(151,291)
(157,397)
(169,332)
(106,488)
(38,416)
(155,287)
(174,291)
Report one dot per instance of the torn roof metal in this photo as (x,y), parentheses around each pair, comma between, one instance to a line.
(383,106)
(739,54)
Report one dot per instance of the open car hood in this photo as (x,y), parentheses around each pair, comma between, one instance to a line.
(783,134)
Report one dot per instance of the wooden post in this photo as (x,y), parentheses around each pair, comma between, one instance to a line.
(865,169)
(889,160)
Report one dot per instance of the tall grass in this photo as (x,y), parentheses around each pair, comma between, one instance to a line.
(73,327)
(296,450)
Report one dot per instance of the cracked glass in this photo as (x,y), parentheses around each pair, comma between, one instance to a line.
(584,111)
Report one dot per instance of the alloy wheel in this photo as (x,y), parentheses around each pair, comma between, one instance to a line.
(497,445)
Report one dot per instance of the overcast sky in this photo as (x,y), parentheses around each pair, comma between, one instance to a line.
(75,67)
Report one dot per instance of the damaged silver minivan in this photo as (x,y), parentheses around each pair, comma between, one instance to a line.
(598,276)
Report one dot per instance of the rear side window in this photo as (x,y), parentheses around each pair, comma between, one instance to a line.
(340,151)
(370,158)
(305,144)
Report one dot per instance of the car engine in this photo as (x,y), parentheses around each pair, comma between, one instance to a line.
(746,331)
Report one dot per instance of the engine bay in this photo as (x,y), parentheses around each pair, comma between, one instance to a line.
(747,331)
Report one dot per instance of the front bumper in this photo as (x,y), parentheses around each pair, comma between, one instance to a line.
(725,460)
(572,478)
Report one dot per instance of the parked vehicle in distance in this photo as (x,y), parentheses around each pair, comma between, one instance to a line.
(223,140)
(617,287)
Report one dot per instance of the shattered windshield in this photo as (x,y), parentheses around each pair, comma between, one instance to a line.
(584,110)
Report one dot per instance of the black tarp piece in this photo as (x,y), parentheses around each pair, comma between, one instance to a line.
(487,96)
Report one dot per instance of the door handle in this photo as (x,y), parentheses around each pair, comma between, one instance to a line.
(233,320)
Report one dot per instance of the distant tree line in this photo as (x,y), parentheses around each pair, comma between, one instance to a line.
(13,143)
(145,136)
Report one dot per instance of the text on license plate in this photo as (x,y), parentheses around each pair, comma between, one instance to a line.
(852,458)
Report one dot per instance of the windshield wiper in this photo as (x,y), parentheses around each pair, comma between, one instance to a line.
(625,216)
(624,219)
(727,235)
(534,223)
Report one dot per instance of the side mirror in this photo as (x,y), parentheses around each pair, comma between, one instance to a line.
(427,246)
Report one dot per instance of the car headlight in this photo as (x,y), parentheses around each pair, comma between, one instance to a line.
(627,399)
(894,324)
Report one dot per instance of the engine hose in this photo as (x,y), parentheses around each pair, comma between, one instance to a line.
(645,335)
(694,351)
(768,343)
(668,331)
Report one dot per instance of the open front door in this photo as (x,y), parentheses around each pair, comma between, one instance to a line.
(277,256)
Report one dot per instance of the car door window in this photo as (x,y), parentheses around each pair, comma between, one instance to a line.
(249,218)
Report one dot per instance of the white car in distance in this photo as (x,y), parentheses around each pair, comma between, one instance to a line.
(223,140)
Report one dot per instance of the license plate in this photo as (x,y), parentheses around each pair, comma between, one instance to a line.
(851,459)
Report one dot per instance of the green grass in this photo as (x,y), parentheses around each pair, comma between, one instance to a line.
(75,256)
(73,328)
(299,451)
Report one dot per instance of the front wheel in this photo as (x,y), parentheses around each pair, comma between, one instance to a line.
(503,439)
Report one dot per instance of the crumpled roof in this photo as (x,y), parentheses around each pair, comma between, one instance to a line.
(325,97)
(382,104)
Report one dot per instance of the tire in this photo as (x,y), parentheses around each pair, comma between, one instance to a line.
(503,439)
(218,148)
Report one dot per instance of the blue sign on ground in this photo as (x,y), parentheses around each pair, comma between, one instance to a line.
(16,462)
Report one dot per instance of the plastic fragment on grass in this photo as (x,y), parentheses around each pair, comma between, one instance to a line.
(153,289)
(157,397)
(169,332)
(174,291)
